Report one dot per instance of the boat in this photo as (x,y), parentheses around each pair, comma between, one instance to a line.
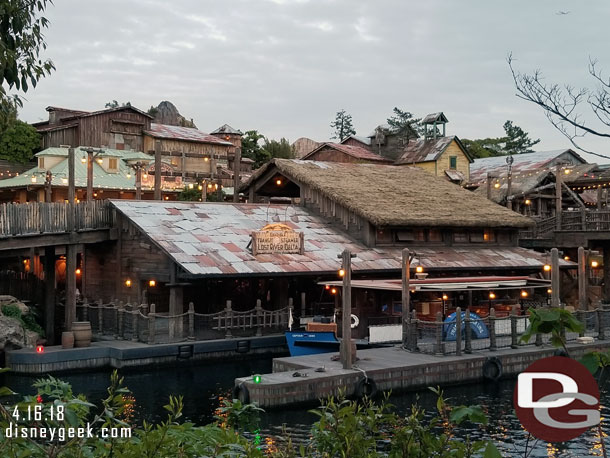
(302,343)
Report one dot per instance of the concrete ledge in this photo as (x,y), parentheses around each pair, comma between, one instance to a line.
(123,353)
(391,368)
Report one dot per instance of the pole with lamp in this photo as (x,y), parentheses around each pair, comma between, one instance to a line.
(137,168)
(509,181)
(91,155)
(347,352)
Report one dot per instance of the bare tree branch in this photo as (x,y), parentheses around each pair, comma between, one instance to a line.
(561,104)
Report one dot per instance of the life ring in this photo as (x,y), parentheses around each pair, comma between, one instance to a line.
(492,369)
(366,387)
(241,392)
(355,321)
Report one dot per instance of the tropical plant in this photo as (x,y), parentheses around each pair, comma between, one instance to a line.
(555,321)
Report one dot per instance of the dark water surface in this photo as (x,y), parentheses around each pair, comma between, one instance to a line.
(204,385)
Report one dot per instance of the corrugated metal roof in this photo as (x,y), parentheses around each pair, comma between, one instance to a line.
(213,238)
(363,140)
(434,117)
(423,150)
(124,179)
(190,134)
(357,152)
(526,162)
(226,129)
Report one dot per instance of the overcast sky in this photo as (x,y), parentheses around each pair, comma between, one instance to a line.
(285,67)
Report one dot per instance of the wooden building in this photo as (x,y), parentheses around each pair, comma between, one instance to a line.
(114,177)
(341,152)
(118,128)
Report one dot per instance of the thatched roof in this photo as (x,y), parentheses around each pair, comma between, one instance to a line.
(387,195)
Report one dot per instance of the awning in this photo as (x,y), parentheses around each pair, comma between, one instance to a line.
(449,283)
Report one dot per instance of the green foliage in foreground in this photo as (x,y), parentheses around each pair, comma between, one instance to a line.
(344,429)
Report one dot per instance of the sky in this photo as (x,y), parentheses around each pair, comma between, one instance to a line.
(285,67)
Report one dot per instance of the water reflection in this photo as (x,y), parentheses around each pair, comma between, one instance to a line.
(204,386)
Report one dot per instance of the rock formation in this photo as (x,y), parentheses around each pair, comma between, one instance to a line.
(13,334)
(167,113)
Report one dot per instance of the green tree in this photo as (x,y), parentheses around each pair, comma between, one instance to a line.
(115,104)
(251,148)
(342,125)
(18,142)
(21,27)
(281,149)
(517,141)
(484,147)
(405,124)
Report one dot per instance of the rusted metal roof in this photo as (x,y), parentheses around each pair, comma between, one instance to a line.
(357,152)
(424,150)
(226,129)
(522,163)
(190,134)
(434,117)
(212,239)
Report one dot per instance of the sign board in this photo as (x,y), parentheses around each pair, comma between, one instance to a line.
(277,239)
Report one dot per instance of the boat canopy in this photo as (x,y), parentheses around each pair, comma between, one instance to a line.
(449,283)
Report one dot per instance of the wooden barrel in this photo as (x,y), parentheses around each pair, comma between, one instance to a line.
(67,339)
(82,333)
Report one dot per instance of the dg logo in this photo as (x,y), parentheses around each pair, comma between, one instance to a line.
(557,399)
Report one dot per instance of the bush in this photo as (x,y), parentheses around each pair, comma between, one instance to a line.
(28,321)
(11,310)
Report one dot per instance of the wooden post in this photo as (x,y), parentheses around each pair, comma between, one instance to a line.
(236,174)
(439,350)
(70,311)
(259,318)
(468,333)
(513,328)
(492,330)
(120,334)
(71,190)
(509,189)
(135,320)
(100,317)
(558,197)
(157,193)
(458,331)
(413,322)
(228,320)
(138,182)
(89,175)
(151,324)
(346,320)
(406,274)
(191,312)
(219,183)
(49,299)
(582,279)
(606,261)
(555,302)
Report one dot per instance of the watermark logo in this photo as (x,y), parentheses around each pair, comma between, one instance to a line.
(557,399)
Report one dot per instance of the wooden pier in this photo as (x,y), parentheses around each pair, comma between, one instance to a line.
(307,379)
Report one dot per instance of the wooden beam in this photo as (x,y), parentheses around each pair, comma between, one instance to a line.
(25,242)
(406,300)
(574,196)
(346,321)
(236,174)
(70,310)
(582,279)
(157,168)
(49,296)
(555,302)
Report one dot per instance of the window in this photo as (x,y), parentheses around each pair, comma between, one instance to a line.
(460,237)
(41,162)
(384,236)
(453,162)
(112,163)
(477,236)
(435,235)
(489,235)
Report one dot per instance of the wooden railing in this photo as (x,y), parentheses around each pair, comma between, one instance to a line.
(573,220)
(53,217)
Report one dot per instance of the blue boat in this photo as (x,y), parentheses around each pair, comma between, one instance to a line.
(479,330)
(302,343)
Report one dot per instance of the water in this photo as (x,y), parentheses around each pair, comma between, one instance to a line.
(203,386)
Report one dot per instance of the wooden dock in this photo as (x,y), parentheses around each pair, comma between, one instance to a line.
(306,379)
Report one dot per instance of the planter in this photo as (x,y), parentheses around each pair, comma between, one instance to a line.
(67,339)
(82,333)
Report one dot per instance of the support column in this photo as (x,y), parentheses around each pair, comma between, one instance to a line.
(582,279)
(346,320)
(49,296)
(406,305)
(555,278)
(70,313)
(606,260)
(157,194)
